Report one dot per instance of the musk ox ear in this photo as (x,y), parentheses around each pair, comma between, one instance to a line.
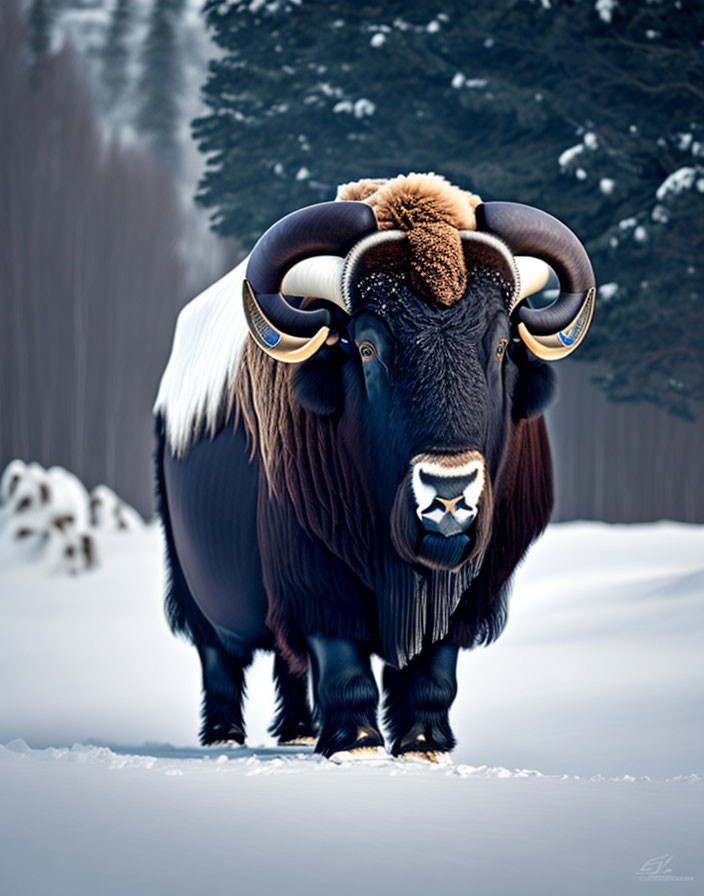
(536,384)
(317,384)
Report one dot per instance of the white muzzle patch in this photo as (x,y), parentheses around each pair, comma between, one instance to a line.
(447,490)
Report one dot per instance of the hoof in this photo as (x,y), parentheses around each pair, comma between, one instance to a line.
(219,735)
(301,733)
(366,754)
(349,739)
(429,757)
(424,739)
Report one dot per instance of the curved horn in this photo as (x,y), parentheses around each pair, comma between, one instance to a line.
(553,332)
(329,228)
(534,273)
(320,276)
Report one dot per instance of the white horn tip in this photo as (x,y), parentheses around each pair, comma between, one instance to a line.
(319,276)
(534,273)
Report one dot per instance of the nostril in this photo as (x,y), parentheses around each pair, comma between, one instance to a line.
(445,521)
(439,504)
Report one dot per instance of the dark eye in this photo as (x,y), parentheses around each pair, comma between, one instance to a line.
(501,348)
(367,351)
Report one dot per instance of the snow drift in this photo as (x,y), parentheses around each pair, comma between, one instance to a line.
(48,517)
(579,761)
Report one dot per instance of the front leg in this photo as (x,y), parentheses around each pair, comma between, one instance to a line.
(223,693)
(346,696)
(293,723)
(417,702)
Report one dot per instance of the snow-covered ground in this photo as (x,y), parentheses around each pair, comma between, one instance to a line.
(579,760)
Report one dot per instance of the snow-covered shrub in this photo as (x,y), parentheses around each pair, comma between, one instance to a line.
(108,513)
(69,498)
(44,517)
(47,516)
(24,506)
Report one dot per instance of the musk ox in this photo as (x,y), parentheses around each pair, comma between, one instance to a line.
(351,455)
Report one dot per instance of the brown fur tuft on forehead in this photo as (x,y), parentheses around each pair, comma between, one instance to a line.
(432,212)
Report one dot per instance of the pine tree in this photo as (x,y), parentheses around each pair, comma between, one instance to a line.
(584,110)
(160,83)
(115,53)
(91,277)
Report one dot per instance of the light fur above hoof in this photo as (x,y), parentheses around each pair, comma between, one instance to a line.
(433,757)
(298,742)
(364,753)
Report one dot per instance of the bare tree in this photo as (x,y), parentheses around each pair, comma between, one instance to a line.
(91,279)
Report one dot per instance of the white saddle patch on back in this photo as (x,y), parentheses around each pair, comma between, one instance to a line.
(210,333)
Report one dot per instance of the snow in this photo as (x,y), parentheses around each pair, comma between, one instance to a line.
(605,9)
(460,80)
(568,156)
(607,291)
(590,140)
(579,756)
(677,182)
(359,108)
(606,185)
(684,141)
(378,39)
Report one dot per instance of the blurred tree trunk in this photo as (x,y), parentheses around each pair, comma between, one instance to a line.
(91,279)
(622,462)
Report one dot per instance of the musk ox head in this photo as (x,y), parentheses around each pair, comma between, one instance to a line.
(402,307)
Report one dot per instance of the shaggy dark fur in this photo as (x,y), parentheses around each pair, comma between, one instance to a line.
(223,695)
(182,612)
(522,509)
(223,659)
(345,565)
(322,529)
(293,719)
(418,700)
(347,696)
